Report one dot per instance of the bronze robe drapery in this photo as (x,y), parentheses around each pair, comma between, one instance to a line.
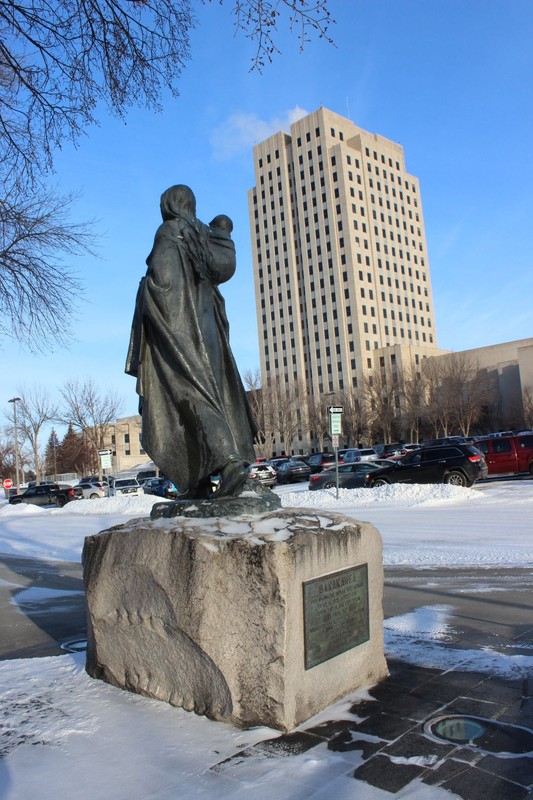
(195,413)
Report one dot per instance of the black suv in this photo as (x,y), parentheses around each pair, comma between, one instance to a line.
(458,464)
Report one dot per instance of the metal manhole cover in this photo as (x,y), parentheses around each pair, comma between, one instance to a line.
(74,645)
(488,735)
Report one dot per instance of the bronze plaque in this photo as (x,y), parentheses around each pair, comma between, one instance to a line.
(335,614)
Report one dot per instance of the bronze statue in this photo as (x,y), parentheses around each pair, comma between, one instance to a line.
(196,420)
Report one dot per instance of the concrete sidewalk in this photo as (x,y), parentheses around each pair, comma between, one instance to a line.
(386,743)
(390,734)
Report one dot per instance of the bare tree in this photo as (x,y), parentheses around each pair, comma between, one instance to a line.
(380,395)
(286,404)
(439,411)
(317,419)
(527,406)
(90,411)
(355,420)
(7,454)
(35,410)
(473,391)
(458,392)
(258,400)
(413,390)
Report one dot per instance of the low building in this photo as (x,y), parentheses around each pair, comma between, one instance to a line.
(124,439)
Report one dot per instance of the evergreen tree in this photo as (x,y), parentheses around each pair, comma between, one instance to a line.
(72,453)
(51,454)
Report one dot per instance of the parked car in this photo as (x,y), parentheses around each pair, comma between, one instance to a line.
(50,494)
(160,487)
(170,490)
(383,462)
(265,473)
(152,486)
(146,474)
(392,450)
(318,461)
(293,470)
(126,486)
(358,454)
(507,454)
(106,479)
(448,440)
(458,464)
(91,491)
(351,476)
(277,460)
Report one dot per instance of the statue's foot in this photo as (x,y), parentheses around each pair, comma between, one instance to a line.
(232,476)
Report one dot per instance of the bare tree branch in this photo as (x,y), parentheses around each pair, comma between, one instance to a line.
(260,21)
(36,285)
(59,60)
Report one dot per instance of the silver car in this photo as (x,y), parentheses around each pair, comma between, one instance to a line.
(358,454)
(264,472)
(126,486)
(91,490)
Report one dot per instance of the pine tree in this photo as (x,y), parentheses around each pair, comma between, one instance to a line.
(72,453)
(51,454)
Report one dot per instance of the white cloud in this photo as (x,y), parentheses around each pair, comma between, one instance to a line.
(240,132)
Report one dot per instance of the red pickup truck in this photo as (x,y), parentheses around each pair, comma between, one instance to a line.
(507,454)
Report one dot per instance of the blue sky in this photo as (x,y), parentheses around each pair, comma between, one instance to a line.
(451,80)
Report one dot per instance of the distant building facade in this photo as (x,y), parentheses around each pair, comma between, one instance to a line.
(341,271)
(340,257)
(124,439)
(339,251)
(510,367)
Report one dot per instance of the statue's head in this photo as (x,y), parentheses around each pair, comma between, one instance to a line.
(222,223)
(177,201)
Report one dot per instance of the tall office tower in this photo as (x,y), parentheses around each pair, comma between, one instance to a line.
(341,269)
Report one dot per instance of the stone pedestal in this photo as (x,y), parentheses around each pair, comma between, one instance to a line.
(260,620)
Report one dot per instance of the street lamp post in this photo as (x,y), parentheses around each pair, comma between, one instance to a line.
(16,400)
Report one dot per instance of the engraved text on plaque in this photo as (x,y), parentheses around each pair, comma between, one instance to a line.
(335,613)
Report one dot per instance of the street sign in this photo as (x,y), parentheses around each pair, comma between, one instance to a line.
(106,458)
(335,409)
(335,441)
(8,483)
(335,424)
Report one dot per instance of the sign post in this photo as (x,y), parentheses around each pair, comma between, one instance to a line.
(335,430)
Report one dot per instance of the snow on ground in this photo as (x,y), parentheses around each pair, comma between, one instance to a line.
(66,735)
(77,738)
(430,525)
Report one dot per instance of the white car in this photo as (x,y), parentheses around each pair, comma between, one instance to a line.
(126,486)
(91,490)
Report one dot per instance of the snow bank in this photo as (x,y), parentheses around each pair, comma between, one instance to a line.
(399,494)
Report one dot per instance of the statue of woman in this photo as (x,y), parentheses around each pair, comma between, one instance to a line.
(196,420)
